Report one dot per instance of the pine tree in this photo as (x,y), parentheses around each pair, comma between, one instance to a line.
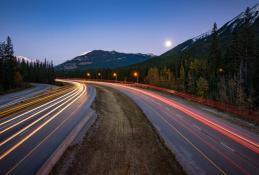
(256,75)
(214,63)
(233,56)
(9,47)
(181,79)
(9,65)
(248,52)
(1,65)
(202,87)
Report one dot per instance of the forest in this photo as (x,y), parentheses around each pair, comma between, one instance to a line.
(16,73)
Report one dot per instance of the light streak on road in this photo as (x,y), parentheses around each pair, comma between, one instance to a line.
(60,104)
(34,109)
(238,138)
(78,95)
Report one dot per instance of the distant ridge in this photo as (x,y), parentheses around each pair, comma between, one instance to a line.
(97,59)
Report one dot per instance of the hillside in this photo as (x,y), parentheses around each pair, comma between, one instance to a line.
(199,46)
(98,59)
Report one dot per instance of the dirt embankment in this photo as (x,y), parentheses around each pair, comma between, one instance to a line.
(122,141)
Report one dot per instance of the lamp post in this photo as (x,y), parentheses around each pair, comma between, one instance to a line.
(100,75)
(88,75)
(115,75)
(135,74)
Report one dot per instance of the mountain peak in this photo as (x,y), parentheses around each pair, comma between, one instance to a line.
(240,18)
(255,8)
(102,59)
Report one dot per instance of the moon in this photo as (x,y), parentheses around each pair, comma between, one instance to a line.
(168,43)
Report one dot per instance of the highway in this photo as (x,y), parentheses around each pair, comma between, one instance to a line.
(16,97)
(202,142)
(29,138)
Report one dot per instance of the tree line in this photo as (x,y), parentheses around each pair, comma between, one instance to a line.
(16,73)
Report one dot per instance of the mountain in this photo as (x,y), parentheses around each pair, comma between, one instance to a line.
(26,59)
(199,46)
(102,59)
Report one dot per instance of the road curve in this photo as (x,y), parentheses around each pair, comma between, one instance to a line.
(29,138)
(16,97)
(202,142)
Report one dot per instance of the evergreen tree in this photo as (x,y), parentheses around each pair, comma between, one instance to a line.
(214,63)
(233,56)
(248,52)
(256,75)
(9,47)
(9,65)
(181,79)
(1,65)
(214,60)
(202,87)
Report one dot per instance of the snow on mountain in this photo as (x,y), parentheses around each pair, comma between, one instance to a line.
(186,47)
(151,54)
(204,35)
(26,59)
(232,24)
(240,18)
(255,9)
(84,53)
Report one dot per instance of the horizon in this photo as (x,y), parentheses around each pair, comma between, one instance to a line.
(60,36)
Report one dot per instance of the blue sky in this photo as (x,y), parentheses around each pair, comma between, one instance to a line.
(60,29)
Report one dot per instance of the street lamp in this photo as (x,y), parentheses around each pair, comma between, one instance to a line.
(135,74)
(221,71)
(88,74)
(115,75)
(99,75)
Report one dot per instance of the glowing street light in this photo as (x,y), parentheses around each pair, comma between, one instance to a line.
(115,75)
(99,75)
(135,74)
(88,74)
(221,70)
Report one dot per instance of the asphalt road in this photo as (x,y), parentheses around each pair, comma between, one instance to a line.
(202,142)
(29,138)
(16,97)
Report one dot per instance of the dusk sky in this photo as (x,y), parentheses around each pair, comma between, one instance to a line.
(61,30)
